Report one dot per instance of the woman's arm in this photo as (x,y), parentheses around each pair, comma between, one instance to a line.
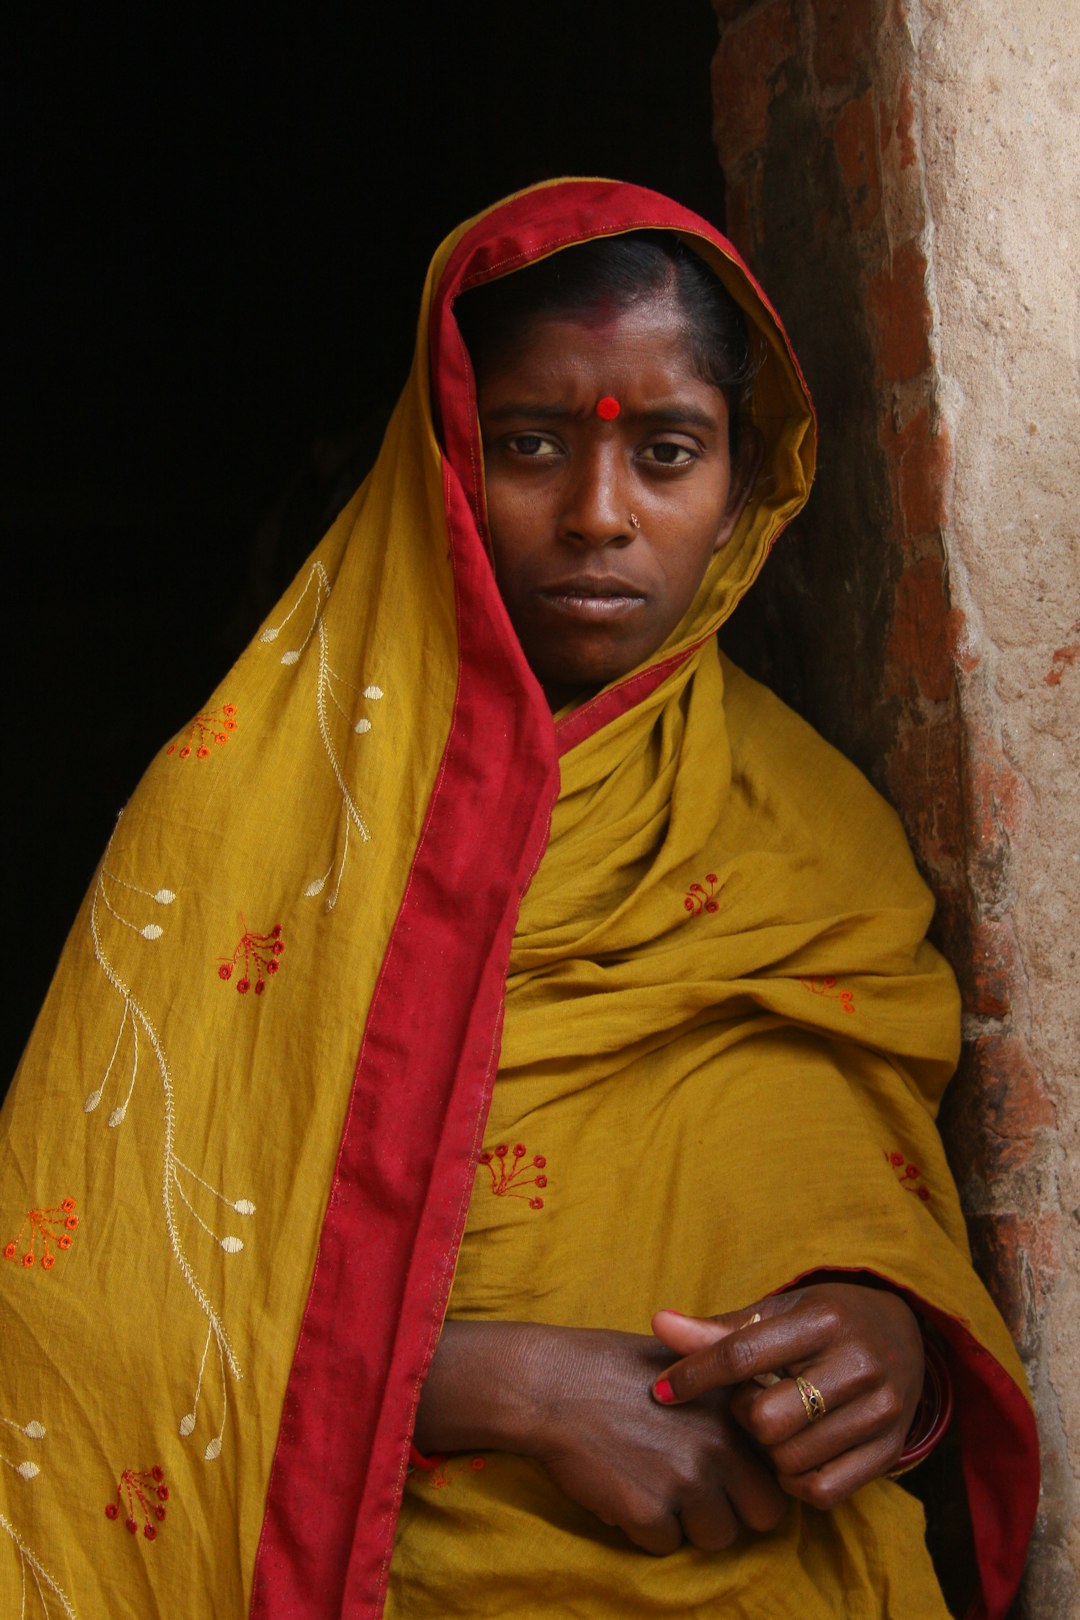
(577,1400)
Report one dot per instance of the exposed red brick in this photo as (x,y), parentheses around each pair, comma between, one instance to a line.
(992,793)
(898,120)
(991,970)
(745,71)
(842,40)
(919,647)
(1018,1258)
(897,299)
(854,134)
(924,470)
(921,772)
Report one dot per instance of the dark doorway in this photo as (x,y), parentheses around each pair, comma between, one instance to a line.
(221,231)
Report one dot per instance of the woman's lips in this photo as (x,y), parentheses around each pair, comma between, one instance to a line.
(592,601)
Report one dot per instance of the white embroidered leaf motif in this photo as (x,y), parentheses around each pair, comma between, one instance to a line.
(187,1423)
(92,1101)
(244,1206)
(117,1116)
(164,897)
(271,634)
(374,692)
(290,657)
(213,1449)
(316,886)
(34,1430)
(28,1470)
(231,1245)
(151,931)
(362,725)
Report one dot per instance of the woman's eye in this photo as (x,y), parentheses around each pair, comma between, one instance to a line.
(668,454)
(531,444)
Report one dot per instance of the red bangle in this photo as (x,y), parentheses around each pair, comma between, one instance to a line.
(933,1413)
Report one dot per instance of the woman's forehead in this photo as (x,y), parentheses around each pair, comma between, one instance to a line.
(652,330)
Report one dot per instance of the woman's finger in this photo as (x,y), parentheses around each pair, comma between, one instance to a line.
(659,1534)
(797,1442)
(841,1477)
(709,1521)
(686,1334)
(742,1491)
(791,1406)
(796,1330)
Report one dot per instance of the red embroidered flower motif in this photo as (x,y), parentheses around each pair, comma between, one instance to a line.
(442,1474)
(204,730)
(142,1494)
(908,1175)
(256,955)
(55,1226)
(508,1180)
(827,987)
(702,896)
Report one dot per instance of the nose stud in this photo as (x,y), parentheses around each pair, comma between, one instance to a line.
(608,408)
(635,521)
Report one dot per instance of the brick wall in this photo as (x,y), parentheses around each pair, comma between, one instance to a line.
(863,619)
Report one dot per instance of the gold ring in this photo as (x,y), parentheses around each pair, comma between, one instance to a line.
(812,1399)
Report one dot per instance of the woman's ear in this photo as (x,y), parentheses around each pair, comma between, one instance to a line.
(745,464)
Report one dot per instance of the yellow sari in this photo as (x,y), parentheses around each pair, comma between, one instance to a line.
(239,1155)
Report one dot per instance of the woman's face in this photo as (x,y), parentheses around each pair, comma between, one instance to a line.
(602,530)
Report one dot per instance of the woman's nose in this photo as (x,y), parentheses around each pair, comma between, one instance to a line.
(596,506)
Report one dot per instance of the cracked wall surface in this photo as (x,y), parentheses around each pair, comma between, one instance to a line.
(1001,153)
(904,177)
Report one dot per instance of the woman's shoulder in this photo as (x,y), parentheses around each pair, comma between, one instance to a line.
(779,755)
(768,733)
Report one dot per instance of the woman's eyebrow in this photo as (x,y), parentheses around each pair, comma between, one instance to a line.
(662,415)
(676,415)
(528,408)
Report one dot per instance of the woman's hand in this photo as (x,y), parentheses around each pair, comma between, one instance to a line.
(578,1401)
(857,1345)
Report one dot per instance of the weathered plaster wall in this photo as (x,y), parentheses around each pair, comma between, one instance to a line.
(904,176)
(996,89)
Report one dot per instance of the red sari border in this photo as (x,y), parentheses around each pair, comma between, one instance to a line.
(411,1136)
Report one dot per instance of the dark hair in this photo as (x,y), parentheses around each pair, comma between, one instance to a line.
(615,272)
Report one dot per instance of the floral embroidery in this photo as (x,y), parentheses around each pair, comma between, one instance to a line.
(32,1431)
(40,1581)
(908,1175)
(329,687)
(204,730)
(108,883)
(261,955)
(55,1225)
(443,1473)
(507,1181)
(141,1490)
(180,1183)
(827,987)
(700,898)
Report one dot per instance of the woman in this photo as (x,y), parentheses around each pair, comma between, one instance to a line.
(687,936)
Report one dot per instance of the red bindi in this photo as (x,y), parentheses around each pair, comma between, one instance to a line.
(608,408)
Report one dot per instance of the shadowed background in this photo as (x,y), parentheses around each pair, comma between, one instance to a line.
(220,234)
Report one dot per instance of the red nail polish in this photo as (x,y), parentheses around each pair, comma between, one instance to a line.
(663,1392)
